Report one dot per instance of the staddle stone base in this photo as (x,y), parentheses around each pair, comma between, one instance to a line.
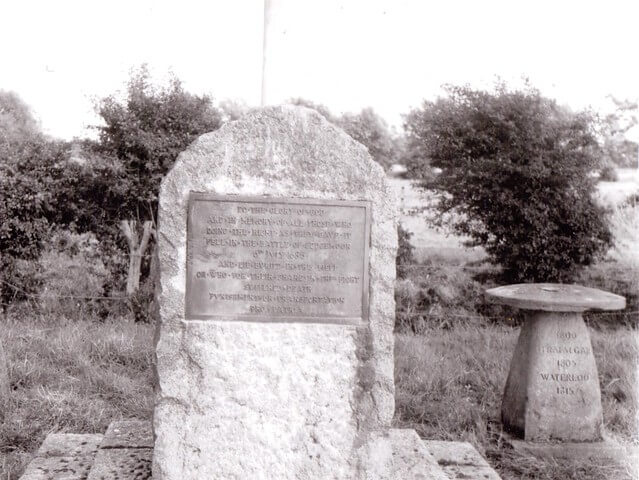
(552,392)
(605,452)
(125,452)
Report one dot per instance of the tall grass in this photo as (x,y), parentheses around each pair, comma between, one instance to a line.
(69,376)
(624,221)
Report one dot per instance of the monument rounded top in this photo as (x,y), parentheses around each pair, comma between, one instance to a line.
(555,297)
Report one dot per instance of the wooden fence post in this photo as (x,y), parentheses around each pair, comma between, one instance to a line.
(4,374)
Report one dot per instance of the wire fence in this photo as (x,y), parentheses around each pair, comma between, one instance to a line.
(405,311)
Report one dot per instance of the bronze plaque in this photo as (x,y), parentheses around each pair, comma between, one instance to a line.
(270,259)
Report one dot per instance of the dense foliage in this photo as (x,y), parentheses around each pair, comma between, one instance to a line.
(367,127)
(371,130)
(142,136)
(515,178)
(139,141)
(616,149)
(405,251)
(36,192)
(92,186)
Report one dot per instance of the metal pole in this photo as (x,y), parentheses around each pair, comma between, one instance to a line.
(267,18)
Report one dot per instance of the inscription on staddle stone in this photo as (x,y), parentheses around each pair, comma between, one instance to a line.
(566,373)
(277,259)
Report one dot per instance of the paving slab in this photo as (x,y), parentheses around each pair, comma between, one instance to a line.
(58,468)
(63,456)
(128,434)
(606,450)
(460,460)
(126,450)
(399,454)
(122,464)
(69,445)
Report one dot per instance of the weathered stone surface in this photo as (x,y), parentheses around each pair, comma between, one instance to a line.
(552,391)
(123,464)
(606,451)
(63,456)
(460,460)
(58,468)
(555,297)
(128,434)
(70,445)
(398,454)
(286,401)
(392,455)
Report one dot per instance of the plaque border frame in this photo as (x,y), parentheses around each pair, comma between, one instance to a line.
(269,199)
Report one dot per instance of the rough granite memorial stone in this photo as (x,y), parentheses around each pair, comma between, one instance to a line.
(274,350)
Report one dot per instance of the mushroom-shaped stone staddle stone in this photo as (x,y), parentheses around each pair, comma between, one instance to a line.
(555,297)
(552,392)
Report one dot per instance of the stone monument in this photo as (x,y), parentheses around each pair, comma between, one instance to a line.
(277,242)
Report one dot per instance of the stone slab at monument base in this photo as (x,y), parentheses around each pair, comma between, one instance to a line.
(124,453)
(605,452)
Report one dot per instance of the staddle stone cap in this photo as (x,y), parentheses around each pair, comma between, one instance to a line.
(555,297)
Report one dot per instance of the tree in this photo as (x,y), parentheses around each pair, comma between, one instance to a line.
(516,177)
(141,137)
(371,130)
(318,107)
(16,121)
(617,150)
(366,127)
(232,109)
(33,181)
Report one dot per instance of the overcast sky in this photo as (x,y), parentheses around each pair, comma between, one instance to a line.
(347,54)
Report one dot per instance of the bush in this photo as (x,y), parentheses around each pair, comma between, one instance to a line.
(140,303)
(515,170)
(31,173)
(632,201)
(72,274)
(618,278)
(608,174)
(436,295)
(624,224)
(405,251)
(20,280)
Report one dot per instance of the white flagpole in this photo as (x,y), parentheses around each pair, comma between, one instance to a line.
(267,18)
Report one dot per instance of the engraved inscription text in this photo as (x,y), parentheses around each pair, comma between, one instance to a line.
(275,259)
